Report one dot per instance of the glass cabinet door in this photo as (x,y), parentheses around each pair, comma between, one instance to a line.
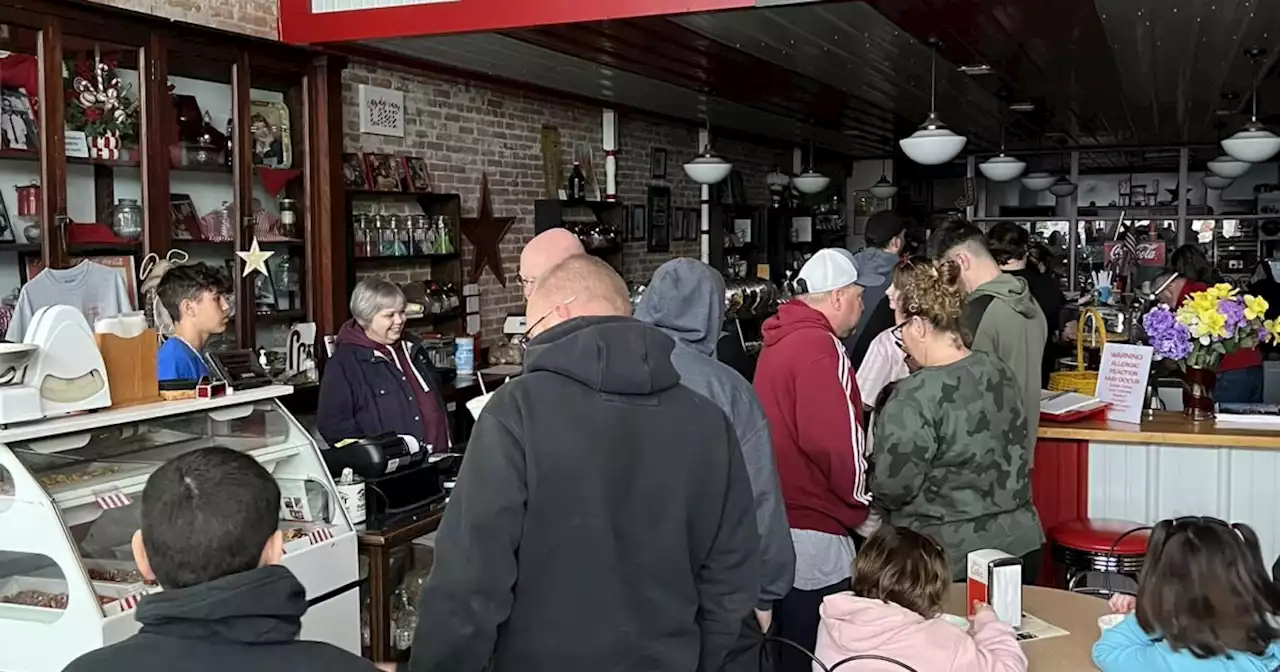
(20,191)
(280,218)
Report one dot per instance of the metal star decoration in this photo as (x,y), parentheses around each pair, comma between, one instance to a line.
(255,259)
(486,233)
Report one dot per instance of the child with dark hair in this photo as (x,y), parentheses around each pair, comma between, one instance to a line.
(1204,602)
(210,538)
(899,582)
(195,296)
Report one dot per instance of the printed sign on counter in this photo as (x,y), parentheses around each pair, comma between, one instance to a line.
(1122,380)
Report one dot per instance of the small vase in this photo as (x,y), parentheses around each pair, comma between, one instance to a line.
(1197,393)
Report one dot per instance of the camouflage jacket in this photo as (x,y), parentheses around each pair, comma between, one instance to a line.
(951,459)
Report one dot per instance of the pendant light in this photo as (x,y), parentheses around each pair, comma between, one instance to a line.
(810,181)
(1225,166)
(1038,181)
(1217,181)
(883,189)
(1002,168)
(708,168)
(934,144)
(1253,143)
(1062,187)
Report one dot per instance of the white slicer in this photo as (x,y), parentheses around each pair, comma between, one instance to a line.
(63,373)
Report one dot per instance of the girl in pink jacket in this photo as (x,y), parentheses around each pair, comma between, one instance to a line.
(899,581)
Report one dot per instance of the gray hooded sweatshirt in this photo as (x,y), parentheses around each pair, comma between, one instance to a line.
(686,300)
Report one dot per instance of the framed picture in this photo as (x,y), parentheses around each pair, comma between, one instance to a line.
(658,163)
(272,141)
(17,121)
(638,222)
(183,220)
(660,215)
(416,176)
(6,225)
(384,171)
(354,173)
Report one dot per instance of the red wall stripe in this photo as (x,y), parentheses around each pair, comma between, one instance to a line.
(1060,481)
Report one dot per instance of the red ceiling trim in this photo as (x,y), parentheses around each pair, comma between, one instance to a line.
(298,25)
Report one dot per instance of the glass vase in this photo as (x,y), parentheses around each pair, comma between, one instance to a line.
(1197,392)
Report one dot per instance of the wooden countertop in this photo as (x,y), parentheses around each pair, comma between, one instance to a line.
(1163,428)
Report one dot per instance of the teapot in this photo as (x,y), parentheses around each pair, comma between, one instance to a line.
(126,219)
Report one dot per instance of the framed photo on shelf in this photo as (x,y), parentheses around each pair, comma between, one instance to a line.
(183,220)
(17,121)
(355,174)
(6,225)
(658,203)
(658,163)
(384,172)
(416,177)
(638,229)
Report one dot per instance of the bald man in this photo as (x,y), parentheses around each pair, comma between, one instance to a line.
(544,251)
(603,518)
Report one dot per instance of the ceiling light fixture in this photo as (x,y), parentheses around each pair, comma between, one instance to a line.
(883,189)
(810,181)
(1062,187)
(1217,181)
(1253,143)
(1038,181)
(708,168)
(934,144)
(1022,107)
(1002,168)
(1225,166)
(976,70)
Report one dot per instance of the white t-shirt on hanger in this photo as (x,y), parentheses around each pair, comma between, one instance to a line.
(95,290)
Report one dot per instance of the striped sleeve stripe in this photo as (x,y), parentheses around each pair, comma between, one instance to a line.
(845,371)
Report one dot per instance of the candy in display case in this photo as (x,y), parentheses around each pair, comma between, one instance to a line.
(71,494)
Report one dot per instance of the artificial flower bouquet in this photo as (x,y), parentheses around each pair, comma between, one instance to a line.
(1209,325)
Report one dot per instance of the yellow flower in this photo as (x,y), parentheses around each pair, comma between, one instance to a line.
(1272,328)
(1201,301)
(1221,291)
(1254,307)
(1213,324)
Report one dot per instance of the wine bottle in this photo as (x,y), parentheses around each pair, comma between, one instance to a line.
(577,183)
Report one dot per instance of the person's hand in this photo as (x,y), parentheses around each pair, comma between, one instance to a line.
(979,607)
(765,619)
(1123,604)
(386,667)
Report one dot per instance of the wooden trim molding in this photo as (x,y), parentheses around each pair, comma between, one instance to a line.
(326,232)
(53,164)
(1164,428)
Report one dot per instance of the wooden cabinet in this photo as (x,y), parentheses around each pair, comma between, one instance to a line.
(146,136)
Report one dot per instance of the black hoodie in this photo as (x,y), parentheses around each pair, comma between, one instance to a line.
(602,519)
(246,622)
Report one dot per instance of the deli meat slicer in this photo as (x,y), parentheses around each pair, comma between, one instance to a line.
(56,369)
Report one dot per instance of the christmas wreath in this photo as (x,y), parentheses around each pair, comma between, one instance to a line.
(97,102)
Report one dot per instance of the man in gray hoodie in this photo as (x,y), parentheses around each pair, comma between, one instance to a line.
(1001,317)
(885,235)
(686,300)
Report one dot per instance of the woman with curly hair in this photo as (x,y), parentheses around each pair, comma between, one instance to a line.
(951,450)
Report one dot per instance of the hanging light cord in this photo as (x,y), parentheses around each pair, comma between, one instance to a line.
(933,78)
(1253,81)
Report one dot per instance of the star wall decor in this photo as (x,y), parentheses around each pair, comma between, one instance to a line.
(486,233)
(255,259)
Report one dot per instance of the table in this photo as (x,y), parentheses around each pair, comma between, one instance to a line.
(1166,466)
(1075,613)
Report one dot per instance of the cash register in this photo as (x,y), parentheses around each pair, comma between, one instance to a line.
(401,480)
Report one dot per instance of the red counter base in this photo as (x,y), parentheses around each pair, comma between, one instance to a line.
(1059,489)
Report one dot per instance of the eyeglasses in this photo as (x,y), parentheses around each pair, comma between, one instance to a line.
(523,339)
(525,282)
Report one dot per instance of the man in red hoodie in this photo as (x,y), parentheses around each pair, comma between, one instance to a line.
(810,396)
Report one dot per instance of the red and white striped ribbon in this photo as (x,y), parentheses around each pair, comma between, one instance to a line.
(112,499)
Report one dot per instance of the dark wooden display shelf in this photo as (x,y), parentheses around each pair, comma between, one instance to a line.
(20,248)
(289,244)
(407,259)
(11,154)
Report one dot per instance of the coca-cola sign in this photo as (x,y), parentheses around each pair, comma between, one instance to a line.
(1150,253)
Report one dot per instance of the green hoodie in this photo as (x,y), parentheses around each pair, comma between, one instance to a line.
(1001,317)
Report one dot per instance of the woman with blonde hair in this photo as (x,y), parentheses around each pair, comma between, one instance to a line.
(951,455)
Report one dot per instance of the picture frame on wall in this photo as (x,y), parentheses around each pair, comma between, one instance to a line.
(639,230)
(384,172)
(6,224)
(416,176)
(355,174)
(658,204)
(658,163)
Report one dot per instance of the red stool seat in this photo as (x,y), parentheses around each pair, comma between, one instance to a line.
(1096,535)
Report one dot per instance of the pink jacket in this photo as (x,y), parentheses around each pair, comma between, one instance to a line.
(854,625)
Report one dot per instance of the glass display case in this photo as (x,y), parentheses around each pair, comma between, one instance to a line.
(70,501)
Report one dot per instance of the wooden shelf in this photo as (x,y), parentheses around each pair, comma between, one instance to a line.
(22,155)
(80,249)
(20,248)
(363,193)
(180,243)
(406,259)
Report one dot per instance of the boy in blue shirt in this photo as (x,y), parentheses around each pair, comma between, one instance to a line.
(195,296)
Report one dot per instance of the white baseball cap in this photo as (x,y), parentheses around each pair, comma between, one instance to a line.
(832,268)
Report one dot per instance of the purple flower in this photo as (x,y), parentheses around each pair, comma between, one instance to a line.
(1169,338)
(1233,310)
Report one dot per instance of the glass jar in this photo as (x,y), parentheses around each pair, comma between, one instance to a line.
(377,232)
(443,242)
(418,235)
(399,236)
(290,218)
(360,232)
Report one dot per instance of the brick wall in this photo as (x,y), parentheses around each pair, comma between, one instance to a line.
(463,129)
(250,17)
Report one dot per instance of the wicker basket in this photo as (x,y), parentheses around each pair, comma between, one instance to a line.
(1084,382)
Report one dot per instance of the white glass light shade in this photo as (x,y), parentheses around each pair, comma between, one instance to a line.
(1217,181)
(810,182)
(934,144)
(883,189)
(708,168)
(1253,144)
(1002,168)
(1062,187)
(1038,181)
(1225,166)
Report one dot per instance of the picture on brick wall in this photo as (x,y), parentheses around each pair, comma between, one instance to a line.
(416,177)
(354,173)
(637,222)
(384,171)
(381,111)
(660,216)
(658,163)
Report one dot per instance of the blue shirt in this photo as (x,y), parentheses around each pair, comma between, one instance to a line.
(1126,648)
(179,361)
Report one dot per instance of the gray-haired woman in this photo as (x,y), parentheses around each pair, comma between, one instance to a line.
(379,379)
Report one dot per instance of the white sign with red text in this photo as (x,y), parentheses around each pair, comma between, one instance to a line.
(1122,380)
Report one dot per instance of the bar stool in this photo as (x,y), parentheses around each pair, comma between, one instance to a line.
(1098,545)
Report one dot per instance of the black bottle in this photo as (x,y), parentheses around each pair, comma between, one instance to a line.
(577,184)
